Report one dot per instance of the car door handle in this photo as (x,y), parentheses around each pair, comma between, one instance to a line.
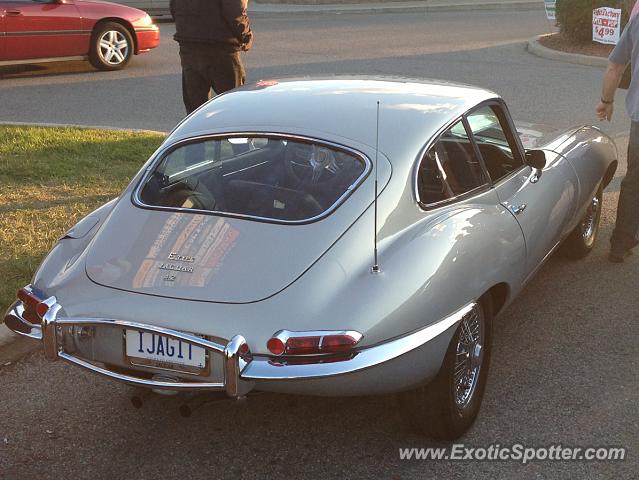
(517,209)
(14,13)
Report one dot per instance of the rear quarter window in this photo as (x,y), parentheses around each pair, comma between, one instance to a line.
(450,168)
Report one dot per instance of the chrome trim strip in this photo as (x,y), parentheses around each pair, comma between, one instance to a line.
(15,321)
(152,28)
(160,155)
(286,334)
(540,264)
(422,154)
(141,382)
(242,169)
(234,363)
(261,369)
(43,60)
(103,322)
(456,199)
(50,333)
(47,32)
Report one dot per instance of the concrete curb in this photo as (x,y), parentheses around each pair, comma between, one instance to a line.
(538,49)
(88,127)
(407,7)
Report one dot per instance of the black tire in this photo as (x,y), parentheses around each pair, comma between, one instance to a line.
(111,46)
(433,409)
(582,239)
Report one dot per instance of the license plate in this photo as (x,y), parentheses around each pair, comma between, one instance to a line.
(154,350)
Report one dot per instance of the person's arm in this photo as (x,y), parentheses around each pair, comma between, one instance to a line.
(617,61)
(611,80)
(235,16)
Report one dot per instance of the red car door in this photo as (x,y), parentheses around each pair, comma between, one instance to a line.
(2,31)
(43,29)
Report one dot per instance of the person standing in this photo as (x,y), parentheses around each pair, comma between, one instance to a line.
(211,35)
(624,236)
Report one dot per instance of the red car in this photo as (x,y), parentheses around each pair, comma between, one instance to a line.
(108,34)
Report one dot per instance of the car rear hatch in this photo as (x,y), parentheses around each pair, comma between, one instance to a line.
(208,257)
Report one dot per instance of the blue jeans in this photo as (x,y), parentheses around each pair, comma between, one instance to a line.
(624,236)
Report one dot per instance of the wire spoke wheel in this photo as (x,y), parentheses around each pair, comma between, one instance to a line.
(448,406)
(468,358)
(591,221)
(581,240)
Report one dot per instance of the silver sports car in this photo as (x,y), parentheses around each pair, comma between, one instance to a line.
(344,236)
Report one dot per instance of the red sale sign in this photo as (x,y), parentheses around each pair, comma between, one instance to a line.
(606,25)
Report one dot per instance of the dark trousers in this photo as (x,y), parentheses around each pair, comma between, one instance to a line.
(624,236)
(208,67)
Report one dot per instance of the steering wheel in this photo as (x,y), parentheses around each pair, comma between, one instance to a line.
(310,164)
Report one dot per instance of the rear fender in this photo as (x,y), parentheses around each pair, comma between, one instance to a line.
(57,265)
(594,156)
(452,257)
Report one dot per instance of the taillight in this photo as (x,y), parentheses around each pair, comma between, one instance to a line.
(34,306)
(338,343)
(244,349)
(312,343)
(303,345)
(42,309)
(275,346)
(28,298)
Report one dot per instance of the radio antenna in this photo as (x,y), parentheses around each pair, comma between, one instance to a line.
(375,268)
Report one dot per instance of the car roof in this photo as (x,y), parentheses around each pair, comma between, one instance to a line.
(411,110)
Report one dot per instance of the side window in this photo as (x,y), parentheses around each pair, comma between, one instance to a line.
(450,167)
(495,142)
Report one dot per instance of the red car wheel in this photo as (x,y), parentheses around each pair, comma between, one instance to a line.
(111,46)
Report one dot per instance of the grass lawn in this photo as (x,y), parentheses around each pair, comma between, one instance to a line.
(49,179)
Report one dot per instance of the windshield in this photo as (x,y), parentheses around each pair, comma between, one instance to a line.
(266,177)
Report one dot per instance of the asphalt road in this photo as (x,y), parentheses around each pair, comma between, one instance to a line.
(565,364)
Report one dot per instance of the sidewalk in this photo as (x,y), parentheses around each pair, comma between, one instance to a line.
(423,6)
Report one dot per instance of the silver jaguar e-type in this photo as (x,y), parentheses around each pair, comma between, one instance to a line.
(343,236)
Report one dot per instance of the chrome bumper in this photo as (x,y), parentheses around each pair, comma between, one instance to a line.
(50,332)
(242,370)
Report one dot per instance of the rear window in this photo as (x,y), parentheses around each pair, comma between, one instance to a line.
(270,178)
